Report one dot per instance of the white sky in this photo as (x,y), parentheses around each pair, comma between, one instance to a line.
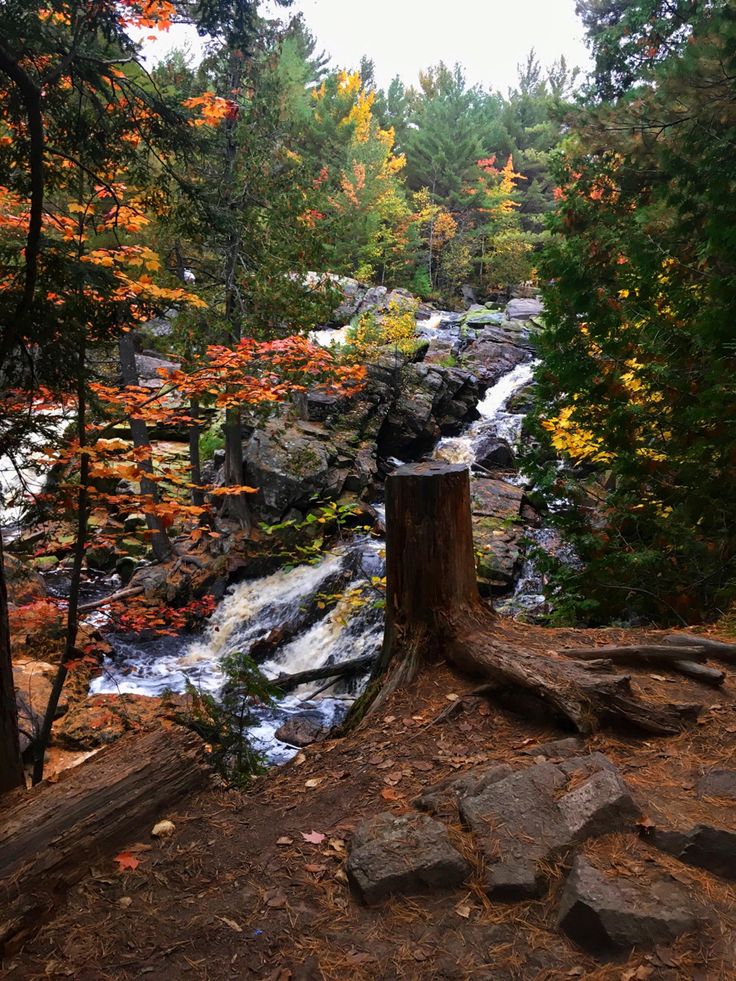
(488,37)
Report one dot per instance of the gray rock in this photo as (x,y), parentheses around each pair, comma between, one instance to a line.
(443,795)
(148,368)
(411,853)
(558,748)
(717,783)
(492,452)
(287,466)
(606,915)
(375,299)
(526,821)
(703,845)
(524,309)
(599,805)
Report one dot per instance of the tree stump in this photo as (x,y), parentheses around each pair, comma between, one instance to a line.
(434,611)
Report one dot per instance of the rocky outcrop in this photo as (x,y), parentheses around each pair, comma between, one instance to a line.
(498,530)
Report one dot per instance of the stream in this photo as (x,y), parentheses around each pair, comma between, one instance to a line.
(315,637)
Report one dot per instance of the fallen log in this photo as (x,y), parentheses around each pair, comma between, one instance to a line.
(112,598)
(637,653)
(346,669)
(434,611)
(715,648)
(50,835)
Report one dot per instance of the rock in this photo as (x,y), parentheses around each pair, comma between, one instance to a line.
(606,914)
(45,562)
(717,783)
(134,521)
(288,467)
(411,853)
(443,795)
(558,748)
(524,309)
(599,805)
(497,529)
(101,557)
(23,582)
(374,299)
(526,821)
(703,845)
(149,367)
(493,453)
(101,719)
(467,292)
(301,730)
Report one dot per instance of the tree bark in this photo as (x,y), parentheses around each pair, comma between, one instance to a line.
(195,462)
(11,764)
(51,835)
(160,543)
(434,611)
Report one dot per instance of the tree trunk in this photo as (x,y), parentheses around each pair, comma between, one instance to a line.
(11,764)
(72,613)
(195,462)
(234,505)
(52,834)
(160,543)
(434,610)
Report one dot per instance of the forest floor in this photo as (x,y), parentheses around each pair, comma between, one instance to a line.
(239,890)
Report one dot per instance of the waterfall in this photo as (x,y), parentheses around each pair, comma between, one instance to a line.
(288,603)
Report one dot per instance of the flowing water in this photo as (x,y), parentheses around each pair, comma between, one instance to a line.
(287,603)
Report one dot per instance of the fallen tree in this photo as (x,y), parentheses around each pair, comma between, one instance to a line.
(434,612)
(51,834)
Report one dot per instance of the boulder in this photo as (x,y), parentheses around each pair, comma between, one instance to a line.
(702,845)
(301,730)
(497,529)
(494,453)
(403,854)
(287,466)
(609,914)
(149,367)
(527,820)
(524,308)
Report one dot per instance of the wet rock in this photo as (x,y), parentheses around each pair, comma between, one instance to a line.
(494,453)
(527,820)
(101,557)
(301,731)
(606,914)
(524,309)
(717,783)
(287,466)
(442,796)
(403,854)
(703,845)
(497,529)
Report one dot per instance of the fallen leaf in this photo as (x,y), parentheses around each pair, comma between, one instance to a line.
(316,869)
(285,840)
(276,900)
(423,765)
(646,823)
(463,910)
(359,957)
(389,718)
(314,782)
(390,793)
(341,876)
(126,861)
(231,923)
(314,837)
(452,697)
(124,902)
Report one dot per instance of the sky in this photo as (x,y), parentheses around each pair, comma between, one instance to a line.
(488,37)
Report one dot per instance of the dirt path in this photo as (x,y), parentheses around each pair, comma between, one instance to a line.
(238,891)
